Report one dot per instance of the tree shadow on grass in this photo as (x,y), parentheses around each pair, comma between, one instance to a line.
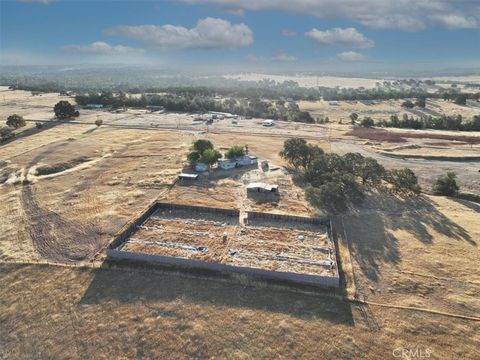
(370,229)
(130,285)
(470,204)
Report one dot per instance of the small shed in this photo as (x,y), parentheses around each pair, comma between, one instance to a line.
(246,160)
(201,167)
(185,176)
(262,188)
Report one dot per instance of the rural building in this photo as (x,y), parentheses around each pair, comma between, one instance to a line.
(227,164)
(222,115)
(201,167)
(247,160)
(184,176)
(262,188)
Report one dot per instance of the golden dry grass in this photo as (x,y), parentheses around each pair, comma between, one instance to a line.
(422,253)
(80,313)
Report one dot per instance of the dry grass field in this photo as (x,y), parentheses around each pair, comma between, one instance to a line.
(382,110)
(67,189)
(56,312)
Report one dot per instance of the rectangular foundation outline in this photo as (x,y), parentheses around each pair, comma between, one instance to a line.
(114,254)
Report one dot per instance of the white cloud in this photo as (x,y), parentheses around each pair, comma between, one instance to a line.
(255,58)
(454,21)
(288,33)
(236,12)
(35,1)
(280,57)
(210,33)
(341,37)
(410,15)
(283,57)
(351,56)
(102,48)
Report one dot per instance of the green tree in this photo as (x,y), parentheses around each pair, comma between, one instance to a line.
(6,133)
(201,145)
(461,99)
(15,121)
(235,151)
(193,157)
(210,156)
(298,153)
(403,181)
(372,172)
(336,195)
(367,122)
(355,162)
(64,110)
(98,122)
(474,125)
(328,196)
(446,185)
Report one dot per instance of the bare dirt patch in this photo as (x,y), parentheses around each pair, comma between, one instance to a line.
(59,167)
(397,136)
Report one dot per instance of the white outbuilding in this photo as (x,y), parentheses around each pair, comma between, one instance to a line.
(262,188)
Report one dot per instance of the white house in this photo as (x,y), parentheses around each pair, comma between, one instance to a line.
(247,160)
(227,164)
(201,167)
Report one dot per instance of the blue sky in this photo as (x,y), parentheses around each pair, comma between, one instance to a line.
(301,34)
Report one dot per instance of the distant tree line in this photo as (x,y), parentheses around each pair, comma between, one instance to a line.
(338,182)
(358,94)
(279,110)
(443,122)
(214,86)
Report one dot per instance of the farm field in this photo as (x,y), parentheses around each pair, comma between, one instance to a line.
(410,263)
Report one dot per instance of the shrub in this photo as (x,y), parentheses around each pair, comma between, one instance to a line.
(15,121)
(367,122)
(446,185)
(6,133)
